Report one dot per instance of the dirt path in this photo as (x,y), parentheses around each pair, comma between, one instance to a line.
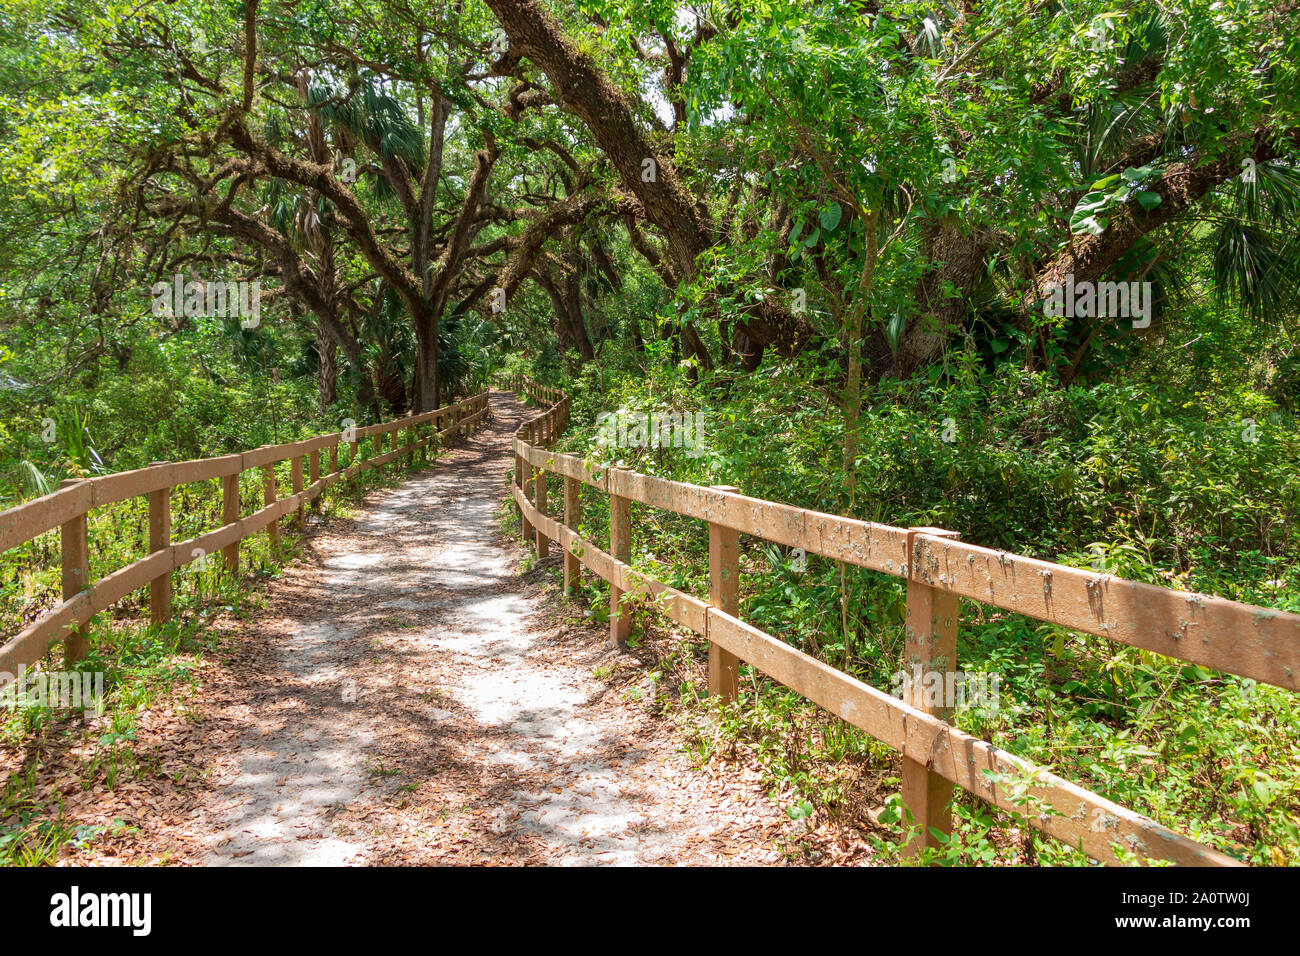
(407,697)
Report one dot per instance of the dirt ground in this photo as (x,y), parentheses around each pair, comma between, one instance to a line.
(408,697)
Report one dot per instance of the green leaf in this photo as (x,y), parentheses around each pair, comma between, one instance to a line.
(800,810)
(1088,224)
(1148,200)
(830,217)
(1094,202)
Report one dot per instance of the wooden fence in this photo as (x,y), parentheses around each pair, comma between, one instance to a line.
(68,508)
(1241,639)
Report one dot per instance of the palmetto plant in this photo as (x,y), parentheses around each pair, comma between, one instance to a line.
(1256,253)
(36,480)
(389,344)
(361,109)
(72,453)
(72,434)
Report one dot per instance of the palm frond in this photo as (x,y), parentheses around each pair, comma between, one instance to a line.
(1254,269)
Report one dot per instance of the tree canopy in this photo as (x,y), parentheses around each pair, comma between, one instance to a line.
(870,184)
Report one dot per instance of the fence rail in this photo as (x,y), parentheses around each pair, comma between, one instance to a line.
(67,509)
(1249,641)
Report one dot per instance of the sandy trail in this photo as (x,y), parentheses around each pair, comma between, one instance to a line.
(408,697)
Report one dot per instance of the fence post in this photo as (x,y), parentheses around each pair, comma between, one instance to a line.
(522,470)
(295,474)
(229,515)
(268,498)
(76,576)
(539,500)
(929,656)
(572,518)
(724,594)
(313,474)
(160,537)
(528,496)
(620,547)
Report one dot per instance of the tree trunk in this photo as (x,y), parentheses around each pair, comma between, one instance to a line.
(960,257)
(427,392)
(577,324)
(328,373)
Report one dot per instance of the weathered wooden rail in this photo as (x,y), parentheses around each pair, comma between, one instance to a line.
(67,509)
(1241,639)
